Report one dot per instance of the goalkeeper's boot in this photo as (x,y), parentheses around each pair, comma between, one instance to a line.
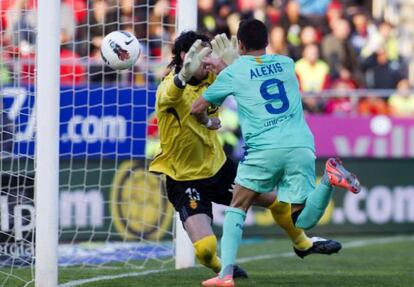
(239,272)
(226,281)
(320,246)
(340,177)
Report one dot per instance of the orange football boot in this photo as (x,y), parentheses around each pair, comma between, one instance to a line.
(226,281)
(340,177)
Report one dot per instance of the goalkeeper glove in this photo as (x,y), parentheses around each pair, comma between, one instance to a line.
(226,50)
(192,61)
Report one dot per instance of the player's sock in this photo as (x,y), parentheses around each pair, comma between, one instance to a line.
(206,252)
(315,205)
(230,241)
(281,215)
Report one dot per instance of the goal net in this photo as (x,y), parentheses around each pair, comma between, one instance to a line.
(114,216)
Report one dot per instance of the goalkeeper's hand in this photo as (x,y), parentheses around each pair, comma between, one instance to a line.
(192,61)
(226,50)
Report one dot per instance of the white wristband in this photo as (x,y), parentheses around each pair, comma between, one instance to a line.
(180,77)
(209,123)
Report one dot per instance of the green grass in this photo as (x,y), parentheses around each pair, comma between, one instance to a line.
(377,264)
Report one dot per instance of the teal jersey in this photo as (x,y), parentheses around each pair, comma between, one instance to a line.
(268,101)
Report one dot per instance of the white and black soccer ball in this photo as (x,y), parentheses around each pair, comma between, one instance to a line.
(120,50)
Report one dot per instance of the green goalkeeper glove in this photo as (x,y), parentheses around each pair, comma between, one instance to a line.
(192,61)
(226,50)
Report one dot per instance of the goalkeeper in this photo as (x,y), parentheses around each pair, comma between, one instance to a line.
(192,158)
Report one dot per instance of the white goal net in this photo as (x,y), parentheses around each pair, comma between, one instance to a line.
(113,215)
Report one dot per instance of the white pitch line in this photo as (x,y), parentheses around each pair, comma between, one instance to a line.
(109,277)
(349,245)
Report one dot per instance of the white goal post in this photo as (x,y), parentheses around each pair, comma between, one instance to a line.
(47,144)
(184,251)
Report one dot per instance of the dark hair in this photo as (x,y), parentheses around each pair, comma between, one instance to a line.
(182,44)
(253,34)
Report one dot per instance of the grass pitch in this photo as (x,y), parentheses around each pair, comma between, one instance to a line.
(363,262)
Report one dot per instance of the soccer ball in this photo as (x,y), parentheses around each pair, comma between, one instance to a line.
(120,50)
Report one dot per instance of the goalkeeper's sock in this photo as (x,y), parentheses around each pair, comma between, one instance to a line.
(206,252)
(232,235)
(281,213)
(315,205)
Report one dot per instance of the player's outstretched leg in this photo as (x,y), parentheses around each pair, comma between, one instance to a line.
(319,246)
(317,201)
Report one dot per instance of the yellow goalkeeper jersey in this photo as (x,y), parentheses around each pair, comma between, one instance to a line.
(189,151)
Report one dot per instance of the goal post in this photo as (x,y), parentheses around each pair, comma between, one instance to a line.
(47,143)
(186,15)
(184,251)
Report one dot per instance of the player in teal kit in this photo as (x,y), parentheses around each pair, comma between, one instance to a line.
(280,148)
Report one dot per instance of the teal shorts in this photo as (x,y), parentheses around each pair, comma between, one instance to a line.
(289,170)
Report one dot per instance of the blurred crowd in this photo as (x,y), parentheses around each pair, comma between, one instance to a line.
(337,45)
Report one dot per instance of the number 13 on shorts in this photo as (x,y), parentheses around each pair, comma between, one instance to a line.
(193,194)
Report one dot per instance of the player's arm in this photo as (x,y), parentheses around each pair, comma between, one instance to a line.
(199,111)
(215,95)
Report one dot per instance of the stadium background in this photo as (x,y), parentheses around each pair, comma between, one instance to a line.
(355,67)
